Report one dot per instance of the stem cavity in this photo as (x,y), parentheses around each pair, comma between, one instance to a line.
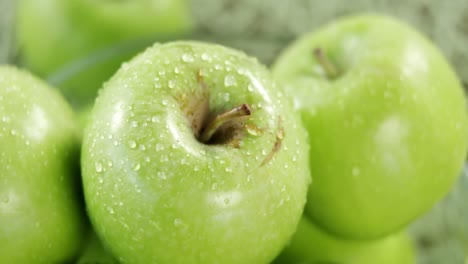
(328,66)
(221,119)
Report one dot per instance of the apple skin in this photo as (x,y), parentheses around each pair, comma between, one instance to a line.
(388,136)
(156,194)
(41,210)
(312,245)
(78,44)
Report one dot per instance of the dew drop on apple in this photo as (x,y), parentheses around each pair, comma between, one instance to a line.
(132,144)
(164,102)
(206,57)
(163,158)
(187,57)
(98,166)
(172,84)
(134,123)
(229,80)
(214,186)
(159,147)
(162,175)
(136,166)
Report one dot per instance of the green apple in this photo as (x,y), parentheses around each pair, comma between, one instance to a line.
(312,245)
(41,212)
(193,154)
(133,19)
(79,44)
(386,119)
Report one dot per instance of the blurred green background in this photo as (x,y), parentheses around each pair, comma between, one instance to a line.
(262,28)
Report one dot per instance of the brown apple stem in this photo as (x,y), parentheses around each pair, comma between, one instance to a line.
(221,119)
(330,69)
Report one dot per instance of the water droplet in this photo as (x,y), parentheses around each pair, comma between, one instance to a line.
(98,166)
(164,102)
(206,57)
(176,70)
(214,186)
(136,166)
(163,158)
(100,180)
(6,119)
(172,84)
(162,175)
(110,209)
(159,147)
(187,57)
(132,143)
(227,201)
(241,71)
(134,123)
(253,130)
(228,169)
(229,80)
(142,147)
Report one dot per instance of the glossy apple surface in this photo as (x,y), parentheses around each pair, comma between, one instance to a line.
(155,193)
(388,134)
(41,212)
(312,245)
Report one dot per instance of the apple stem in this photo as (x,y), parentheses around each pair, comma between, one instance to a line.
(330,68)
(221,119)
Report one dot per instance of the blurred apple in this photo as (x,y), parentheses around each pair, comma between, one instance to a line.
(78,44)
